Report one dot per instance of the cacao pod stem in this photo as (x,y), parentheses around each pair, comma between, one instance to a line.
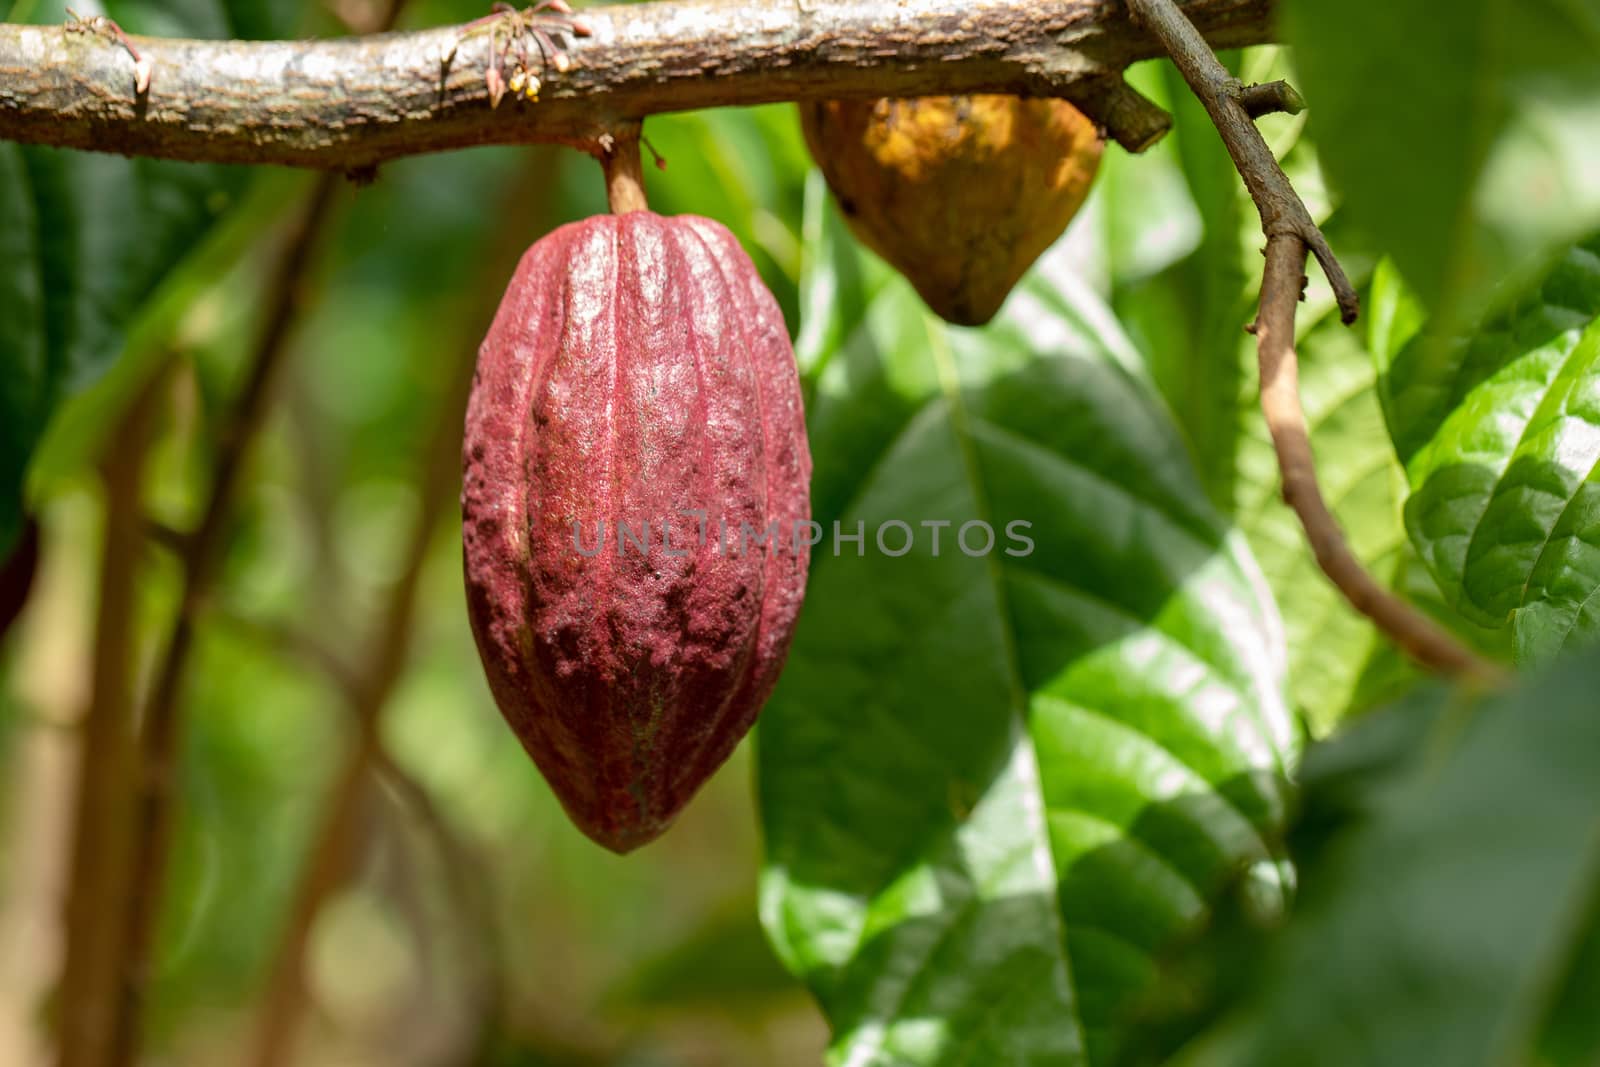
(619,155)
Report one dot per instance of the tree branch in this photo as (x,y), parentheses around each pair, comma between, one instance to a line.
(102,830)
(1290,233)
(1229,105)
(1413,632)
(161,729)
(353,103)
(367,690)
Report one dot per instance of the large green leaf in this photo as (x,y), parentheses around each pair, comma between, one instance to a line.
(1465,137)
(87,239)
(994,785)
(1451,912)
(836,285)
(1499,431)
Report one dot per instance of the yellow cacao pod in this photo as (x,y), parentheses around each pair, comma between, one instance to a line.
(959,193)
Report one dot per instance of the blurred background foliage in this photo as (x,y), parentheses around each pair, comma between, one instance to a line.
(469,922)
(652,961)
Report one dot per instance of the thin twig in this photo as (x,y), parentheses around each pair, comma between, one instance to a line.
(326,869)
(331,852)
(1282,210)
(108,28)
(328,864)
(353,103)
(160,534)
(162,720)
(1290,233)
(277,639)
(470,896)
(1413,632)
(282,1003)
(1271,98)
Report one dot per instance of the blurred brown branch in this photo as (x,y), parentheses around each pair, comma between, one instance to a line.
(353,103)
(333,847)
(161,726)
(471,896)
(370,684)
(102,831)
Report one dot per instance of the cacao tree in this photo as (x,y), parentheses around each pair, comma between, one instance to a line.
(1134,455)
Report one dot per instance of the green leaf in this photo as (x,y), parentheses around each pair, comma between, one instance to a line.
(86,241)
(209,19)
(26,373)
(1466,138)
(1452,896)
(1141,216)
(993,785)
(837,285)
(1571,1028)
(1499,432)
(723,965)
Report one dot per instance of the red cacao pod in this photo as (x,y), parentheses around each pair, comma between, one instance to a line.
(638,371)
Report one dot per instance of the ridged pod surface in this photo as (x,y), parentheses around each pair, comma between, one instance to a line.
(959,193)
(637,370)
